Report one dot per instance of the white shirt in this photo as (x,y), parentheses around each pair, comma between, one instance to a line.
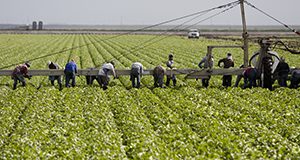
(170,63)
(137,65)
(107,66)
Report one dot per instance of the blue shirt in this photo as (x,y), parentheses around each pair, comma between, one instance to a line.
(71,67)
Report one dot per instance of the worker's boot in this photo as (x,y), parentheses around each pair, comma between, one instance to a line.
(60,86)
(168,81)
(14,86)
(104,87)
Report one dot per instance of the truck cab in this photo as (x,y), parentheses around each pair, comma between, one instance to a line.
(193,33)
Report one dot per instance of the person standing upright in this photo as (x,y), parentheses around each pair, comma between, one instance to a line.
(206,62)
(227,63)
(170,65)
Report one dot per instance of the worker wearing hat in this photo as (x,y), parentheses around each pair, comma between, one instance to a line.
(20,73)
(170,65)
(227,63)
(52,65)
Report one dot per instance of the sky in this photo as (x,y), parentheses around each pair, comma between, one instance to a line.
(141,12)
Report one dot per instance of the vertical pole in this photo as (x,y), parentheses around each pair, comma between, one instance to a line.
(209,50)
(209,54)
(245,34)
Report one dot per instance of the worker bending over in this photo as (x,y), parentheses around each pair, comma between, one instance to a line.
(70,73)
(136,73)
(103,74)
(282,72)
(52,65)
(19,74)
(250,75)
(158,75)
(295,80)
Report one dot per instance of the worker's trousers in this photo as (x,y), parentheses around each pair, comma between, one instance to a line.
(18,78)
(135,74)
(227,80)
(169,77)
(70,76)
(158,80)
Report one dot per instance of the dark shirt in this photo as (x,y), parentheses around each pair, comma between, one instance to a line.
(159,70)
(227,63)
(71,67)
(53,66)
(21,69)
(296,73)
(282,68)
(249,71)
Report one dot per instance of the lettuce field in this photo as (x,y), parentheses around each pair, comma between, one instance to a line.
(182,122)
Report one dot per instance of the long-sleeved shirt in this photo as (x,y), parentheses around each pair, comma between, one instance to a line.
(158,71)
(296,73)
(170,64)
(249,71)
(282,68)
(227,62)
(206,62)
(71,67)
(106,68)
(53,66)
(21,69)
(139,66)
